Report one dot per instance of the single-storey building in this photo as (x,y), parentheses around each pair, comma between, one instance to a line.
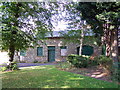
(119,42)
(53,49)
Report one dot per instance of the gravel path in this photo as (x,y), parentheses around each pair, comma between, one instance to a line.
(34,64)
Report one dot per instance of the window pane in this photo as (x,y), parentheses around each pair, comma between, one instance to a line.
(22,53)
(39,51)
(63,47)
(63,50)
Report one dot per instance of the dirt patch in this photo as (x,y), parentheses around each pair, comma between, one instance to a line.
(94,72)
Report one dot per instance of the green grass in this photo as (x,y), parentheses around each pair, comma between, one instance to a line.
(50,77)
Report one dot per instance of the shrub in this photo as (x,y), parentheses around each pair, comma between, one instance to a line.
(35,61)
(78,61)
(64,65)
(12,66)
(105,62)
(23,61)
(3,68)
(93,62)
(115,73)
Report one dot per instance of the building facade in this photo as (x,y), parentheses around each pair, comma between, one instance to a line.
(54,50)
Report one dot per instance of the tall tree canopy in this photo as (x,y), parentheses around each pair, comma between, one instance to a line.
(79,31)
(104,20)
(23,23)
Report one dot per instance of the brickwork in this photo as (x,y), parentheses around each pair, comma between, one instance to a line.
(31,53)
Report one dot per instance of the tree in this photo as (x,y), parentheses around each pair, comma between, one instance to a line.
(79,31)
(23,24)
(100,16)
(104,20)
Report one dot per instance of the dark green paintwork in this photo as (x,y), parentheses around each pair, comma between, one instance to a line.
(103,49)
(51,53)
(39,51)
(22,52)
(86,50)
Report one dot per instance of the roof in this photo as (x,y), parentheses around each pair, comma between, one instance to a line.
(58,33)
(55,33)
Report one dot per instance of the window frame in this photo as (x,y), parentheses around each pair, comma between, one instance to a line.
(22,52)
(38,54)
(63,48)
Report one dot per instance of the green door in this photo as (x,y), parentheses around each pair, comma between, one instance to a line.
(87,50)
(51,53)
(103,49)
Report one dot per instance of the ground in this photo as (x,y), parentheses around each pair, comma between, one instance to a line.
(48,76)
(95,72)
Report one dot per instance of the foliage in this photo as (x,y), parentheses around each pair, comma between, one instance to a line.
(23,23)
(103,59)
(92,62)
(12,66)
(64,65)
(116,75)
(3,69)
(50,77)
(22,61)
(71,36)
(105,62)
(103,18)
(78,61)
(35,61)
(15,18)
(96,14)
(104,21)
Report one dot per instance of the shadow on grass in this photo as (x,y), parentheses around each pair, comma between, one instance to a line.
(50,77)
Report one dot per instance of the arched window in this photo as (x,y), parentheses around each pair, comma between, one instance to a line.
(86,50)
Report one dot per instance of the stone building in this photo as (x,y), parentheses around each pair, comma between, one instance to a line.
(54,50)
(119,41)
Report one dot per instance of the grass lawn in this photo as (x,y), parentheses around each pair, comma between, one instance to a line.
(50,77)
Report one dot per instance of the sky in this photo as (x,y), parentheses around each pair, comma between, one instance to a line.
(62,25)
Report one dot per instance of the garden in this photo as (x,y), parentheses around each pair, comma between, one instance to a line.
(25,24)
(50,77)
(101,67)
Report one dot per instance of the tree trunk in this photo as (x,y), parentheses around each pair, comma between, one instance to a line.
(107,39)
(114,47)
(14,32)
(80,49)
(114,55)
(11,52)
(81,42)
(108,43)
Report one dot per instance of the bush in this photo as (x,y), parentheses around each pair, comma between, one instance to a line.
(105,62)
(35,61)
(93,62)
(3,68)
(115,73)
(64,65)
(12,66)
(78,61)
(23,61)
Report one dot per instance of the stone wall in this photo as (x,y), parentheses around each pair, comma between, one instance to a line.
(31,53)
(4,58)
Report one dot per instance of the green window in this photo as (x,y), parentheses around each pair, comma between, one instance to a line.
(103,49)
(39,51)
(22,53)
(63,47)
